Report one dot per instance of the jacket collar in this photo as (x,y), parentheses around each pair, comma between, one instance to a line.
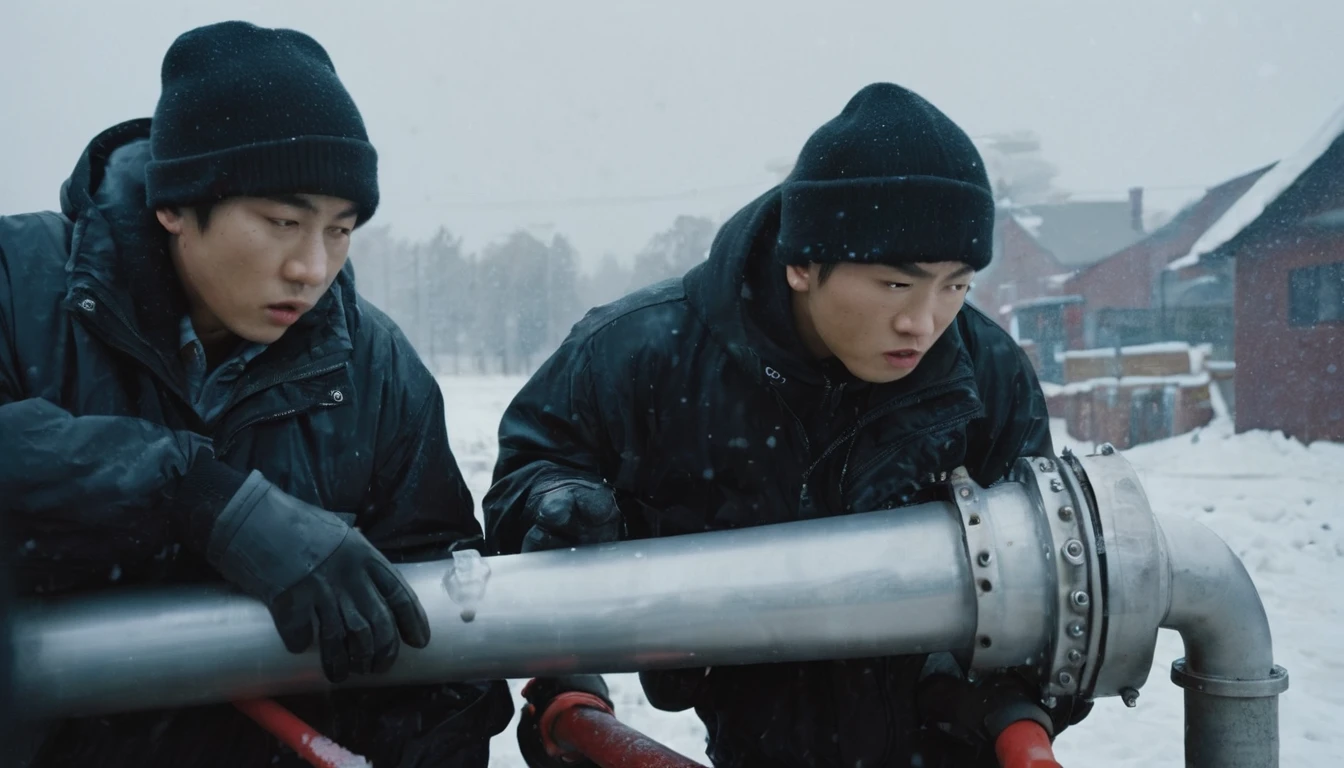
(742,297)
(121,277)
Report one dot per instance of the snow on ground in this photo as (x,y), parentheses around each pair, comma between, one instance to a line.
(1277,503)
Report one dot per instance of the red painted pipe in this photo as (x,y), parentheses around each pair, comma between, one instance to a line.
(312,746)
(582,725)
(1025,744)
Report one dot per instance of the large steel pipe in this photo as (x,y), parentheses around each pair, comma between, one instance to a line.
(896,581)
(1062,572)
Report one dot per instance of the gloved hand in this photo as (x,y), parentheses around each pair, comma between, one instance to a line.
(981,710)
(569,513)
(304,563)
(674,690)
(539,693)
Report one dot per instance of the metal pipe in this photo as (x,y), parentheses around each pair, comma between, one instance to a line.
(1231,682)
(580,726)
(890,582)
(609,743)
(1025,744)
(315,749)
(1214,605)
(1063,571)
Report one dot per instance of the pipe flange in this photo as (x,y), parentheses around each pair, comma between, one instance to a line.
(1096,574)
(1004,539)
(1075,571)
(991,605)
(1135,567)
(1225,687)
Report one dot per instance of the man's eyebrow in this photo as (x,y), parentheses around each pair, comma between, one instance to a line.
(912,270)
(303,203)
(297,201)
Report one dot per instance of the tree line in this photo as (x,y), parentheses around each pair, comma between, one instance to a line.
(504,309)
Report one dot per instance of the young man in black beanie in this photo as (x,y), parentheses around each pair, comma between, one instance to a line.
(191,387)
(821,362)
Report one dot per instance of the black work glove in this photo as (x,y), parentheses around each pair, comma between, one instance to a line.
(539,693)
(674,690)
(569,513)
(1070,710)
(981,711)
(305,564)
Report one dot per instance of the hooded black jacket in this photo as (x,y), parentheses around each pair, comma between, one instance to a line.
(94,430)
(693,400)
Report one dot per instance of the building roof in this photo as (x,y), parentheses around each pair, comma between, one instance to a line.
(1266,190)
(1040,301)
(1192,221)
(1079,233)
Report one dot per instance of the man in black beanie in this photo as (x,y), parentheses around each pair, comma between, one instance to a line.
(191,388)
(822,361)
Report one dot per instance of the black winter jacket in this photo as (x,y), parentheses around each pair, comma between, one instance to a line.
(693,401)
(95,430)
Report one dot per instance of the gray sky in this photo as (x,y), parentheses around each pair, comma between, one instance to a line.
(485,114)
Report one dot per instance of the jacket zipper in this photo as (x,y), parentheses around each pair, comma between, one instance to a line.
(130,342)
(883,688)
(312,373)
(844,466)
(801,431)
(962,417)
(315,369)
(121,337)
(113,337)
(872,416)
(914,397)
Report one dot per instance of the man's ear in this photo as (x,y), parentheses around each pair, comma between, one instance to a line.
(799,277)
(172,219)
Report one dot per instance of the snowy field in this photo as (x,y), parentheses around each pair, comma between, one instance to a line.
(1277,503)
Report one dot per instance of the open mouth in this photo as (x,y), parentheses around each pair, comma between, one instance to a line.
(903,358)
(285,313)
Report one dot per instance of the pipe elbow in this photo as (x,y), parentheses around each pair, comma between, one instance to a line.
(1215,606)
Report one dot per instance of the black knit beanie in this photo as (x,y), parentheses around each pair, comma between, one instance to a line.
(249,111)
(890,180)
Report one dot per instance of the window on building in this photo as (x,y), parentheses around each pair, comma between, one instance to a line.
(1316,295)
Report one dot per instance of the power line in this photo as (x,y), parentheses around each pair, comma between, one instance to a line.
(687,194)
(578,202)
(1145,188)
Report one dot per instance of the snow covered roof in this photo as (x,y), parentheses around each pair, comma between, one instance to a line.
(1182,380)
(1042,301)
(1030,222)
(1079,232)
(1081,354)
(1265,191)
(1159,347)
(1198,353)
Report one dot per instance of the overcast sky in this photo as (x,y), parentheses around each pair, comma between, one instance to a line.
(604,120)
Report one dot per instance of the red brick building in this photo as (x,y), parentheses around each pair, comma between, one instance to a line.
(1037,247)
(1285,237)
(1130,298)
